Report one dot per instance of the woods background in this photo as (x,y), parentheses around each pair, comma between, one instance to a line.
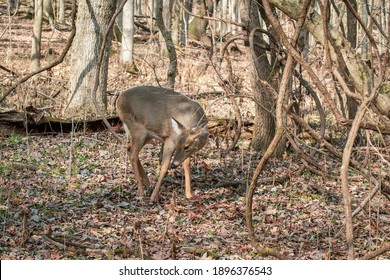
(298,98)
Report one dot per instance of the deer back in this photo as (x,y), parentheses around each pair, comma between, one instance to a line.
(162,112)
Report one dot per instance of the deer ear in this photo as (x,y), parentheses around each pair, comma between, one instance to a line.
(201,127)
(204,127)
(200,130)
(177,126)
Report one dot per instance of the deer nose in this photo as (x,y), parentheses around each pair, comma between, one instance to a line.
(174,164)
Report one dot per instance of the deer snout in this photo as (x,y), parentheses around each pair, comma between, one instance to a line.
(175,164)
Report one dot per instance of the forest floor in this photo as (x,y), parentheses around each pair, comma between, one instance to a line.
(74,196)
(78,190)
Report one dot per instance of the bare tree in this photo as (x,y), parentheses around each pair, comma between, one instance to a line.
(265,74)
(92,22)
(349,75)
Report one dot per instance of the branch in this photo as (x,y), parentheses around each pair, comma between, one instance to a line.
(385,248)
(279,124)
(8,70)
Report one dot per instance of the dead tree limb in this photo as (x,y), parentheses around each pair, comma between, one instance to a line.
(385,248)
(8,70)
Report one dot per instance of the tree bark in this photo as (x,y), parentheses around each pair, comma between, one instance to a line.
(92,21)
(198,25)
(167,6)
(36,37)
(127,46)
(171,73)
(352,38)
(264,79)
(61,12)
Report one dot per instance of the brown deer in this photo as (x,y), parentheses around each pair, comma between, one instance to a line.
(157,113)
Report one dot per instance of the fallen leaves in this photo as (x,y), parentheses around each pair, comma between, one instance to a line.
(93,209)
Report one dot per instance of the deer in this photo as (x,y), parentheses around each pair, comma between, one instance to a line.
(180,123)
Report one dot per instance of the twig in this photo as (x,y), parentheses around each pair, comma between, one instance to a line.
(56,243)
(365,201)
(8,70)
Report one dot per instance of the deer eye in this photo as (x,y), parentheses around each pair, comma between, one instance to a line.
(186,147)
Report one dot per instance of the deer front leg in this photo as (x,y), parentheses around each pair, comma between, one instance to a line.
(187,176)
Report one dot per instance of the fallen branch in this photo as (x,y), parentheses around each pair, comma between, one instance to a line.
(8,70)
(266,251)
(369,256)
(79,248)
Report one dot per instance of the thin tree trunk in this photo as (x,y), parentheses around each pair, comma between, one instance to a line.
(36,37)
(167,20)
(171,75)
(263,74)
(61,12)
(352,38)
(127,46)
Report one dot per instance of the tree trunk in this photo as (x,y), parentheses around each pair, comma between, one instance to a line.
(185,22)
(48,11)
(167,20)
(61,12)
(127,45)
(197,27)
(36,37)
(92,22)
(263,80)
(151,4)
(171,75)
(352,38)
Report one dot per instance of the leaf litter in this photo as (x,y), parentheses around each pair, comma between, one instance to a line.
(75,197)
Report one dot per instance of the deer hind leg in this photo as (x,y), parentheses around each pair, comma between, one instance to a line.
(133,149)
(166,159)
(144,177)
(187,176)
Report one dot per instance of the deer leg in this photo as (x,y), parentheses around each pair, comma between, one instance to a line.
(139,172)
(187,176)
(144,176)
(166,159)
